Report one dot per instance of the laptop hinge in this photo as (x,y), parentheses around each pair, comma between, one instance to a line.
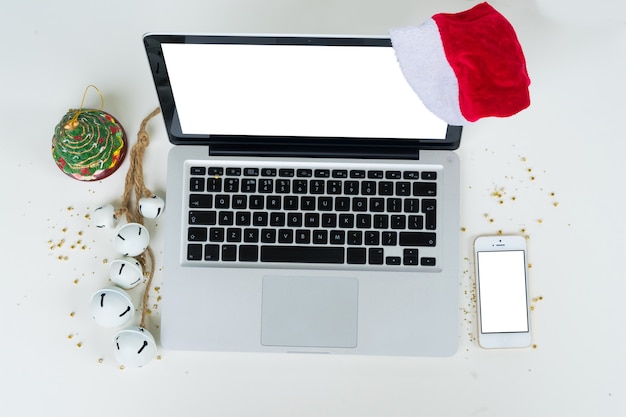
(316,151)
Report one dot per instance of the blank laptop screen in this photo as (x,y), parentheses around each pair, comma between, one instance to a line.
(295,90)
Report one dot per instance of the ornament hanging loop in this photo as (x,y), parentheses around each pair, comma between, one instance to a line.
(73,123)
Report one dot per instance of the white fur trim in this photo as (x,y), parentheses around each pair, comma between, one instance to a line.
(421,56)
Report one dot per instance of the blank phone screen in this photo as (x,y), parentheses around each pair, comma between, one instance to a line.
(503,301)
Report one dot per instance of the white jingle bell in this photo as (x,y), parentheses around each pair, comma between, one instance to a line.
(151,207)
(104,217)
(126,272)
(112,307)
(131,239)
(134,347)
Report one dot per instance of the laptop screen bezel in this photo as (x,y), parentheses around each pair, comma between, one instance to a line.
(289,144)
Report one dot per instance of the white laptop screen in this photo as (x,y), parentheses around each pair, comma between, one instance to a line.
(295,90)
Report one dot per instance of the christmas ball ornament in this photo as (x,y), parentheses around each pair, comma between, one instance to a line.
(126,272)
(88,144)
(151,207)
(112,307)
(132,239)
(90,147)
(134,347)
(104,217)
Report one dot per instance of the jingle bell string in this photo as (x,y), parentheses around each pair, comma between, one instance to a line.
(135,183)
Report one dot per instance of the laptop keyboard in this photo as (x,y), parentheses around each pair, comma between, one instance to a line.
(344,215)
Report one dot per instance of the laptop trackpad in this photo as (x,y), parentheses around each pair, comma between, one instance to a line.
(309,311)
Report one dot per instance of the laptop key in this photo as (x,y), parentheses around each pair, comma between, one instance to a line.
(320,237)
(303,254)
(376,256)
(256,202)
(425,189)
(248,185)
(231,185)
(337,237)
(200,201)
(251,235)
(285,236)
(429,207)
(248,253)
(266,186)
(229,253)
(226,218)
(211,252)
(403,188)
(243,218)
(202,217)
(410,257)
(303,236)
(372,238)
(300,186)
(222,201)
(198,171)
(283,186)
(268,235)
(194,252)
(251,172)
(196,184)
(233,235)
(428,261)
(356,256)
(317,187)
(417,239)
(216,234)
(214,185)
(197,234)
(215,171)
(385,188)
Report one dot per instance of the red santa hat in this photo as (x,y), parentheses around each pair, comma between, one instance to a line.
(464,66)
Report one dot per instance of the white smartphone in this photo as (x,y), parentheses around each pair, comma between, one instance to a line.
(502,292)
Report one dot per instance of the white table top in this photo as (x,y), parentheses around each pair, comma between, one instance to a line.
(553,172)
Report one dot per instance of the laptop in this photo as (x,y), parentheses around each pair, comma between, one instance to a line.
(312,200)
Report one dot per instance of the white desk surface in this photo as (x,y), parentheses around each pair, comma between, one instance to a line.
(558,165)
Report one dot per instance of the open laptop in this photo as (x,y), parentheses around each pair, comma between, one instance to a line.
(313,202)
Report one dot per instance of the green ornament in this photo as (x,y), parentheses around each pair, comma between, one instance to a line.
(88,145)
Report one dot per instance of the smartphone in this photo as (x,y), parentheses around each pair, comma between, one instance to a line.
(502,292)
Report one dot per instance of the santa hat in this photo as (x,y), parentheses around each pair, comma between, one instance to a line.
(464,66)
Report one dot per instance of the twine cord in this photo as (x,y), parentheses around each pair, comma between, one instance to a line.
(134,183)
